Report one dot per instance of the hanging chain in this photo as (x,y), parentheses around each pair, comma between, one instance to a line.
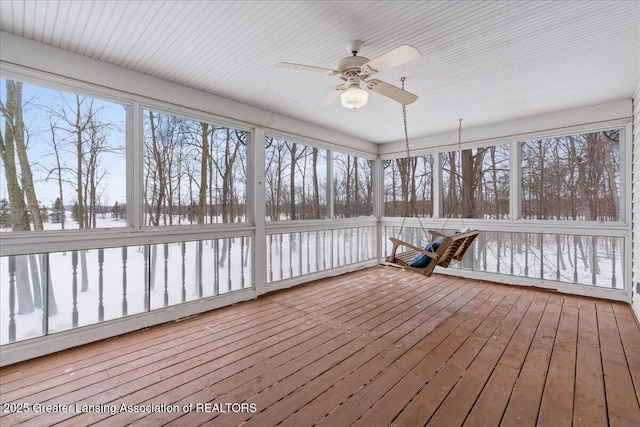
(404,118)
(408,160)
(411,203)
(460,135)
(460,151)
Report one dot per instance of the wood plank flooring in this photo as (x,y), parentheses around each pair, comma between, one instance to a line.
(376,347)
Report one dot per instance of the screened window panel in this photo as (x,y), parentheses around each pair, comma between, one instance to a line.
(476,183)
(353,186)
(63,162)
(406,181)
(295,180)
(573,177)
(194,172)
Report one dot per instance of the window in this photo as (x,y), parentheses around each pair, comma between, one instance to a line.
(353,186)
(295,180)
(475,183)
(194,172)
(406,180)
(573,177)
(62,162)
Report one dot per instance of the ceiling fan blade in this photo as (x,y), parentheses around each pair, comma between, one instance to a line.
(328,98)
(400,55)
(305,68)
(392,92)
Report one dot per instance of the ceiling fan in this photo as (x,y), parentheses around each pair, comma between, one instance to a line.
(355,69)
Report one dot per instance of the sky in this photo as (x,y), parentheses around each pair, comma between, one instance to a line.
(37,104)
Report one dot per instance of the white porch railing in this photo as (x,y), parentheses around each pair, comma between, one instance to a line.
(300,252)
(50,292)
(568,257)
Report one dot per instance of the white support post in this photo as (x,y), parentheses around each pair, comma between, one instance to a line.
(135,166)
(378,204)
(330,185)
(515,177)
(256,208)
(626,168)
(626,203)
(437,185)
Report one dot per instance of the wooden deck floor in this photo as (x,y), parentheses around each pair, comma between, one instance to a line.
(377,347)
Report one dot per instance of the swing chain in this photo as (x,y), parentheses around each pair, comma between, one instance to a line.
(411,203)
(404,119)
(460,135)
(408,160)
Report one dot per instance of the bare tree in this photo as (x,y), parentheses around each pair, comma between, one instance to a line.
(204,167)
(13,133)
(58,169)
(273,176)
(19,186)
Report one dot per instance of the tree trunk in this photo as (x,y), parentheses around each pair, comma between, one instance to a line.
(18,208)
(25,297)
(159,169)
(78,134)
(468,184)
(84,284)
(453,192)
(25,166)
(59,173)
(35,280)
(12,112)
(494,177)
(51,298)
(202,202)
(403,171)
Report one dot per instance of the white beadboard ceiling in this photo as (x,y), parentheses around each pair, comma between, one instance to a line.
(483,61)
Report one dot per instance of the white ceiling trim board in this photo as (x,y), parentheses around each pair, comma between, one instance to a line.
(615,113)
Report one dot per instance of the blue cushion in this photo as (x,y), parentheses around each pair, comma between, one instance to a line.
(421,260)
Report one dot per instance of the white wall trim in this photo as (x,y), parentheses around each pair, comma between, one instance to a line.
(293,281)
(635,206)
(567,288)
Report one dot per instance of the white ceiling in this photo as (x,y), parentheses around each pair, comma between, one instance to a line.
(484,61)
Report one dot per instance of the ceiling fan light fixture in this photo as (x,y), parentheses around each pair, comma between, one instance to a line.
(354,97)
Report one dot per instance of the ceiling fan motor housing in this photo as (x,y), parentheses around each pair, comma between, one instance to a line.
(351,65)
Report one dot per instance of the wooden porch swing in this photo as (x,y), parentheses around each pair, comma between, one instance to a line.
(451,248)
(442,249)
